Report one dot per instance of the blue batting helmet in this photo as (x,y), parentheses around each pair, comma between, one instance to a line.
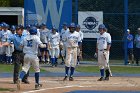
(78,26)
(33,31)
(101,26)
(28,26)
(43,24)
(72,25)
(13,28)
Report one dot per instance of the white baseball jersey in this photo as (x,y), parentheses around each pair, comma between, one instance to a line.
(54,39)
(31,43)
(71,39)
(4,35)
(103,40)
(38,33)
(81,35)
(63,31)
(44,33)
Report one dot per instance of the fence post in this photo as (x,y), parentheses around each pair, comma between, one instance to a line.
(76,11)
(125,30)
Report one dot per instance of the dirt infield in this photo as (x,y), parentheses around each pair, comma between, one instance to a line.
(56,85)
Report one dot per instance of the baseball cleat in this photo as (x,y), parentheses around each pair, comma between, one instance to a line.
(65,78)
(106,78)
(26,81)
(101,79)
(38,86)
(71,79)
(18,84)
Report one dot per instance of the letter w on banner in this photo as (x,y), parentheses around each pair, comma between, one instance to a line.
(89,22)
(51,12)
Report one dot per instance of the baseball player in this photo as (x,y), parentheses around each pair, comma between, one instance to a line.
(10,48)
(130,47)
(30,48)
(102,49)
(4,35)
(63,45)
(137,44)
(44,33)
(54,40)
(79,49)
(71,38)
(18,53)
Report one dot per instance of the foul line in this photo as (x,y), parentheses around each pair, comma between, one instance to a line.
(53,88)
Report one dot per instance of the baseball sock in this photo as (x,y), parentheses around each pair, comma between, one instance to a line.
(66,70)
(22,74)
(56,60)
(102,72)
(72,71)
(37,77)
(39,58)
(8,59)
(45,58)
(53,60)
(78,59)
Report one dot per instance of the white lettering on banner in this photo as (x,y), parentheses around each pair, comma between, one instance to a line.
(50,7)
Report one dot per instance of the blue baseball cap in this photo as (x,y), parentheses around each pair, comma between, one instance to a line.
(78,26)
(72,25)
(101,26)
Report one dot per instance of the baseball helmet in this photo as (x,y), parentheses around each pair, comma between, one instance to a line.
(78,26)
(72,25)
(5,25)
(13,28)
(43,24)
(64,24)
(33,31)
(101,26)
(28,26)
(54,28)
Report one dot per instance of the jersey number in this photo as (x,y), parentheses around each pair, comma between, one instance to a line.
(29,43)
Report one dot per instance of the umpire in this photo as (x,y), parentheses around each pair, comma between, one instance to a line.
(18,53)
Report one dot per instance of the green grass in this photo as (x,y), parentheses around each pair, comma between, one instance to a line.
(114,69)
(10,68)
(6,89)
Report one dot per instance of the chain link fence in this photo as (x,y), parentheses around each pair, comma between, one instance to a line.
(114,19)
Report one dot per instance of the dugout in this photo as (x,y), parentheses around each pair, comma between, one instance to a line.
(12,15)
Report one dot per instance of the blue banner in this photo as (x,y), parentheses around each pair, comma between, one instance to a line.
(51,12)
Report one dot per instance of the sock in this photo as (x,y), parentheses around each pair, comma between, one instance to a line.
(62,59)
(78,59)
(102,72)
(66,70)
(39,58)
(9,59)
(22,74)
(45,58)
(56,60)
(53,60)
(72,71)
(37,77)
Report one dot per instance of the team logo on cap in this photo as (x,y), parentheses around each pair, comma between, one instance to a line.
(90,23)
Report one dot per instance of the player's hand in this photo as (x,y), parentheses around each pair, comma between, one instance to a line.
(1,45)
(50,48)
(95,55)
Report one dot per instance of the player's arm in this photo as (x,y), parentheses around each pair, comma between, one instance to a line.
(6,43)
(108,42)
(40,44)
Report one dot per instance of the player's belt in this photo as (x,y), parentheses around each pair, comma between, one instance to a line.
(18,51)
(102,49)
